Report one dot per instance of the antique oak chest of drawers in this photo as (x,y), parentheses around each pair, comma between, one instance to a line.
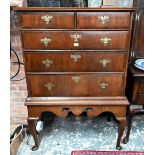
(75,61)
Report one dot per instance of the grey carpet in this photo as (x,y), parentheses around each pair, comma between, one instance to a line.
(82,133)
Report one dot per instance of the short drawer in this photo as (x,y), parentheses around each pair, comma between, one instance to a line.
(77,84)
(76,61)
(103,20)
(102,40)
(52,20)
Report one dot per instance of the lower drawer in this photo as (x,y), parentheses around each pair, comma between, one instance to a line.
(81,84)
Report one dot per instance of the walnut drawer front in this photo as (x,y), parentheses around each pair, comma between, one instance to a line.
(103,40)
(103,20)
(76,62)
(139,99)
(52,20)
(141,87)
(81,84)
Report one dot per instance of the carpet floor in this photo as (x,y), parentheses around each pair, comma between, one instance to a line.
(82,133)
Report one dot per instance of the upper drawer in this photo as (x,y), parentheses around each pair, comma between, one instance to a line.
(52,20)
(101,20)
(63,40)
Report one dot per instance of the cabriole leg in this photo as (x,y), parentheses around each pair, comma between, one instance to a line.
(32,129)
(122,123)
(129,122)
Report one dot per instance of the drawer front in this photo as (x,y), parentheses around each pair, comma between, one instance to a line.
(76,62)
(102,40)
(47,20)
(141,87)
(97,84)
(140,99)
(103,20)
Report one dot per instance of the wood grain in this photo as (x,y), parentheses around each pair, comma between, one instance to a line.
(90,20)
(62,40)
(87,61)
(61,20)
(88,85)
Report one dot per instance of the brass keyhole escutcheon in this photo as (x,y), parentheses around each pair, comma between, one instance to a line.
(75,57)
(76,37)
(45,41)
(76,78)
(49,86)
(104,62)
(104,85)
(103,19)
(106,40)
(47,19)
(47,63)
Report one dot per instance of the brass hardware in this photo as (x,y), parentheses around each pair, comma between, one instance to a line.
(103,85)
(75,57)
(47,63)
(76,78)
(45,41)
(104,62)
(49,86)
(106,40)
(47,19)
(103,19)
(76,37)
